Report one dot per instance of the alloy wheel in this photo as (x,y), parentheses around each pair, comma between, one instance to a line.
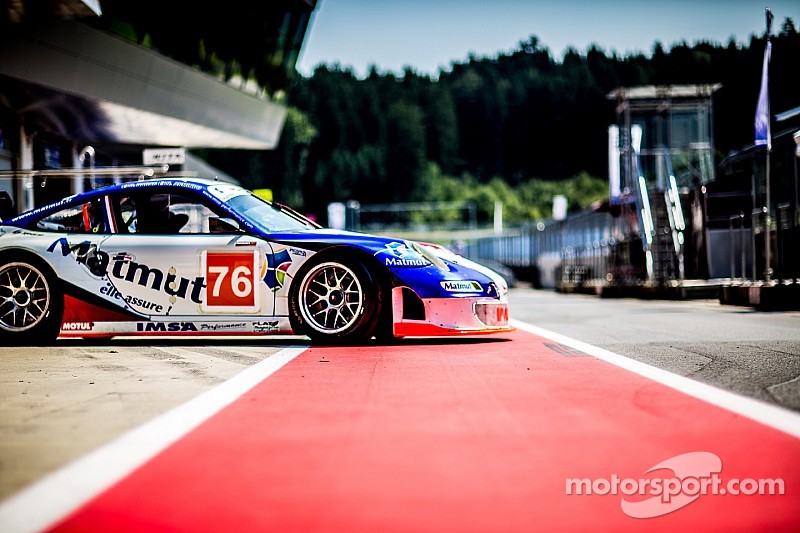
(331,298)
(24,296)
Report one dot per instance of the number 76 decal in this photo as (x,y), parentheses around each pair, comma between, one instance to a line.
(231,281)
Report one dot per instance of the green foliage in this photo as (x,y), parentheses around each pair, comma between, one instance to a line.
(517,128)
(530,200)
(405,149)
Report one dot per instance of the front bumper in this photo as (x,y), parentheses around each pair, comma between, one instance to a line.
(450,316)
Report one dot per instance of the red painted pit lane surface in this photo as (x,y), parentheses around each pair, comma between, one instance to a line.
(457,435)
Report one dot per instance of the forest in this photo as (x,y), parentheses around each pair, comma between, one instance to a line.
(518,128)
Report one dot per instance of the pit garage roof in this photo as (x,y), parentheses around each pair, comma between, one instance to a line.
(652,92)
(19,10)
(93,86)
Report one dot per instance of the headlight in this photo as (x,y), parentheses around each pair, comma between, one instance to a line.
(429,254)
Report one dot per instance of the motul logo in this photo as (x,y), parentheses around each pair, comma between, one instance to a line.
(77,326)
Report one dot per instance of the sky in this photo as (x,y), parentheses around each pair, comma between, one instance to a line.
(428,35)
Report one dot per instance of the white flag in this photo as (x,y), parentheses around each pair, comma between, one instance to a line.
(763,135)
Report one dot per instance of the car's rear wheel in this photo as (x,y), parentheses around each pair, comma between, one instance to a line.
(31,302)
(335,300)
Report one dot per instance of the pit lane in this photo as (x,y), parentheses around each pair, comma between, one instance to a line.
(58,403)
(455,394)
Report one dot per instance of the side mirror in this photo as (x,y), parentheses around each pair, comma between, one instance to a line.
(223,225)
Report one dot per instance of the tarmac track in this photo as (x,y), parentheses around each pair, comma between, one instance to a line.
(464,435)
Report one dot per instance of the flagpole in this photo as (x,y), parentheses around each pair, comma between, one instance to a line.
(768,223)
(768,219)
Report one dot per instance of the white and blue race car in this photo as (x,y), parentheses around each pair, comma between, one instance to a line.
(194,257)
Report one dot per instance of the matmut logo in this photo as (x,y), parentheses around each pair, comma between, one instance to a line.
(462,286)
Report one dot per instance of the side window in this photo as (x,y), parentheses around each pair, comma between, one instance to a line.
(83,218)
(160,213)
(197,214)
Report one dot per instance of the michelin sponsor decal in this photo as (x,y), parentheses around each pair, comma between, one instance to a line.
(461,286)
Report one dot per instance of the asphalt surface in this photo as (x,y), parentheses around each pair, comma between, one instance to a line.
(59,403)
(467,434)
(753,353)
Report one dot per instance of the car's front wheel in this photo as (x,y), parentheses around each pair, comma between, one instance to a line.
(335,300)
(31,302)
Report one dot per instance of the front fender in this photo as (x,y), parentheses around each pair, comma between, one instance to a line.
(430,272)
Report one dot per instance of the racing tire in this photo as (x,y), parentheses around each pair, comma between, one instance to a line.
(31,301)
(335,301)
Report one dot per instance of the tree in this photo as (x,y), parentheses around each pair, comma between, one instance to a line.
(405,149)
(521,117)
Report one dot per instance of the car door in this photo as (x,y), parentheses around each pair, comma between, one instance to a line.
(77,233)
(165,262)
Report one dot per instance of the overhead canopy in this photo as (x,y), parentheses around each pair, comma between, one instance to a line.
(19,10)
(95,87)
(650,92)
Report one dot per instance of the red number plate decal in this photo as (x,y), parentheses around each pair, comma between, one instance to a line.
(231,280)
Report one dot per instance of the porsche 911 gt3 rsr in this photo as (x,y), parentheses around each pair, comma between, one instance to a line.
(193,257)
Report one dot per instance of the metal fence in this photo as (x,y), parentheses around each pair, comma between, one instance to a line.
(589,248)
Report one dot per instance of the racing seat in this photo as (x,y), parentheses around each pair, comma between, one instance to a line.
(162,222)
(176,222)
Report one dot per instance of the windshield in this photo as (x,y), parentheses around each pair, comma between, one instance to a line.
(265,216)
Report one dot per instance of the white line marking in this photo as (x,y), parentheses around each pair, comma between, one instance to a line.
(44,503)
(770,415)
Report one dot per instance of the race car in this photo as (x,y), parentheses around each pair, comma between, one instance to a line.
(203,257)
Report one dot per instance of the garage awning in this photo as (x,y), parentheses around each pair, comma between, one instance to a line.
(95,87)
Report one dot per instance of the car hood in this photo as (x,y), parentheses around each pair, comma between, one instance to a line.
(425,267)
(326,237)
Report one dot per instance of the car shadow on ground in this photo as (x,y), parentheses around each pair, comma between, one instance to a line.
(281,342)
